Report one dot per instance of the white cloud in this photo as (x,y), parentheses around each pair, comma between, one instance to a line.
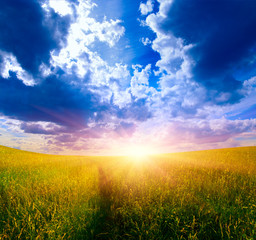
(178,94)
(79,58)
(140,82)
(10,63)
(174,59)
(45,70)
(110,81)
(249,86)
(61,7)
(146,41)
(141,77)
(121,98)
(76,56)
(146,8)
(87,29)
(154,20)
(164,7)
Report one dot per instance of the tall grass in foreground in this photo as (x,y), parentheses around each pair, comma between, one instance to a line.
(195,195)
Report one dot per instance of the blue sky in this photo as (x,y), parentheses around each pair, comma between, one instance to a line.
(104,77)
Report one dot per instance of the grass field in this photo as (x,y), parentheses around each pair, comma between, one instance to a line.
(195,195)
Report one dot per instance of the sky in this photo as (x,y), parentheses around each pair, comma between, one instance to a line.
(97,77)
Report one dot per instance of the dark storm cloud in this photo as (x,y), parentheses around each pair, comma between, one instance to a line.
(66,108)
(53,101)
(38,128)
(224,35)
(28,34)
(34,128)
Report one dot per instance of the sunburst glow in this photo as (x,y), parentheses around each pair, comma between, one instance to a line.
(139,153)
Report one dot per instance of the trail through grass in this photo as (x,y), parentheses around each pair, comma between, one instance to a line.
(194,195)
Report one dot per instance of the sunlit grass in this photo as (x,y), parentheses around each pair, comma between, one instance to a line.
(196,195)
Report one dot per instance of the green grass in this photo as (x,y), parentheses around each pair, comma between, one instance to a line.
(195,195)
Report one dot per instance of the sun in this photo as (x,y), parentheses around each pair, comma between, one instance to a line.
(138,153)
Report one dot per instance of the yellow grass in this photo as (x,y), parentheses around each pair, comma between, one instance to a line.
(194,195)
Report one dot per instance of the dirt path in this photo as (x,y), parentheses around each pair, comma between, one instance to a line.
(104,217)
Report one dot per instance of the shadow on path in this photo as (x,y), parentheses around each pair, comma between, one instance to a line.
(103,217)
